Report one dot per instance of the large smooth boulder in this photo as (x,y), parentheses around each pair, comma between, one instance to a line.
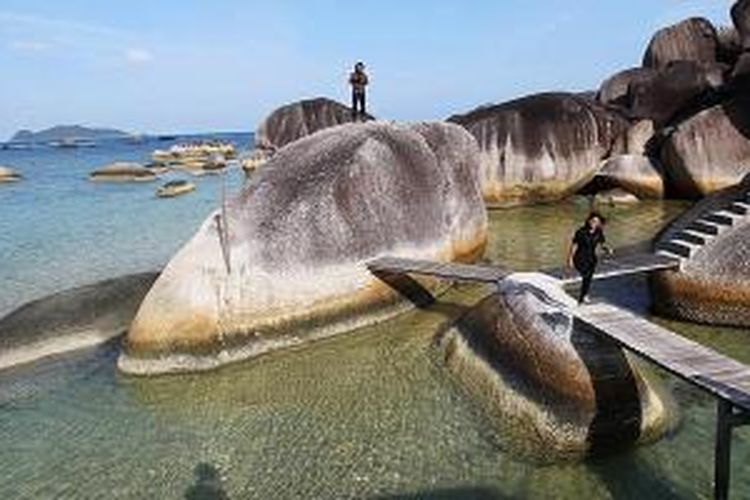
(72,319)
(565,390)
(616,89)
(287,264)
(540,148)
(709,151)
(741,19)
(712,285)
(694,39)
(636,174)
(299,119)
(675,89)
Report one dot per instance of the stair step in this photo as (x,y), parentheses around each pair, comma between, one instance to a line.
(667,253)
(704,227)
(720,219)
(675,248)
(689,237)
(728,213)
(693,232)
(739,208)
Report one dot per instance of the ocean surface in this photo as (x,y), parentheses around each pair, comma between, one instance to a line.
(370,414)
(59,230)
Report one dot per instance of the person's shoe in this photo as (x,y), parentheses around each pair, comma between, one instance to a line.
(584,301)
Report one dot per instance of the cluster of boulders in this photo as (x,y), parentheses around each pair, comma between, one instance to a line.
(197,157)
(677,126)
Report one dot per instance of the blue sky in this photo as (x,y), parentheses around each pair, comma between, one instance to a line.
(179,66)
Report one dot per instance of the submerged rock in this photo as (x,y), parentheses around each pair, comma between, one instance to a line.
(709,151)
(72,319)
(175,188)
(7,174)
(123,172)
(288,264)
(713,284)
(542,147)
(564,390)
(694,39)
(300,119)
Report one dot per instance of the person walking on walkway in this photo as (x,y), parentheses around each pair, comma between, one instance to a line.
(358,80)
(582,253)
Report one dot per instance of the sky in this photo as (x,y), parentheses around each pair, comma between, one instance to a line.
(198,66)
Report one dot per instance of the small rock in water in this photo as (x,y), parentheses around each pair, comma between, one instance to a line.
(123,172)
(7,174)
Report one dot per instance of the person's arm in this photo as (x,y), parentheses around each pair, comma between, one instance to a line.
(605,247)
(571,252)
(365,79)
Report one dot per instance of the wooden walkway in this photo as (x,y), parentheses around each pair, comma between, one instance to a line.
(717,374)
(619,266)
(447,270)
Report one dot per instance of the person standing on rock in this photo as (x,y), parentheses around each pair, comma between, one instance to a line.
(582,253)
(358,80)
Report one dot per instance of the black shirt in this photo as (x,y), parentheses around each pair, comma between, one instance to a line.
(586,243)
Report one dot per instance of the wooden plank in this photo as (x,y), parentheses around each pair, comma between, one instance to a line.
(448,270)
(620,266)
(720,375)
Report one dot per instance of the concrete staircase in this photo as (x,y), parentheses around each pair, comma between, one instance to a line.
(703,230)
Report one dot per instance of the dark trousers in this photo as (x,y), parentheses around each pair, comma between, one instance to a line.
(358,103)
(587,275)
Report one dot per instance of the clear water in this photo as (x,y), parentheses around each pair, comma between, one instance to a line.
(59,230)
(370,414)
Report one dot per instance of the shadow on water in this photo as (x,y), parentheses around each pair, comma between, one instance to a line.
(208,484)
(460,493)
(629,476)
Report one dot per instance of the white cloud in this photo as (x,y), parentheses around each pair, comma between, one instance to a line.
(138,56)
(29,45)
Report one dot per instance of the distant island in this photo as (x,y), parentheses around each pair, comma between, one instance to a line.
(68,133)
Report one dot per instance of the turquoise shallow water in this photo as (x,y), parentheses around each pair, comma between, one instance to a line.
(371,414)
(58,230)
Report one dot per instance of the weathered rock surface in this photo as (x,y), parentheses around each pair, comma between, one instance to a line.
(300,119)
(616,89)
(542,147)
(72,319)
(741,19)
(709,151)
(297,240)
(564,390)
(730,45)
(713,284)
(7,174)
(677,87)
(639,175)
(694,39)
(123,172)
